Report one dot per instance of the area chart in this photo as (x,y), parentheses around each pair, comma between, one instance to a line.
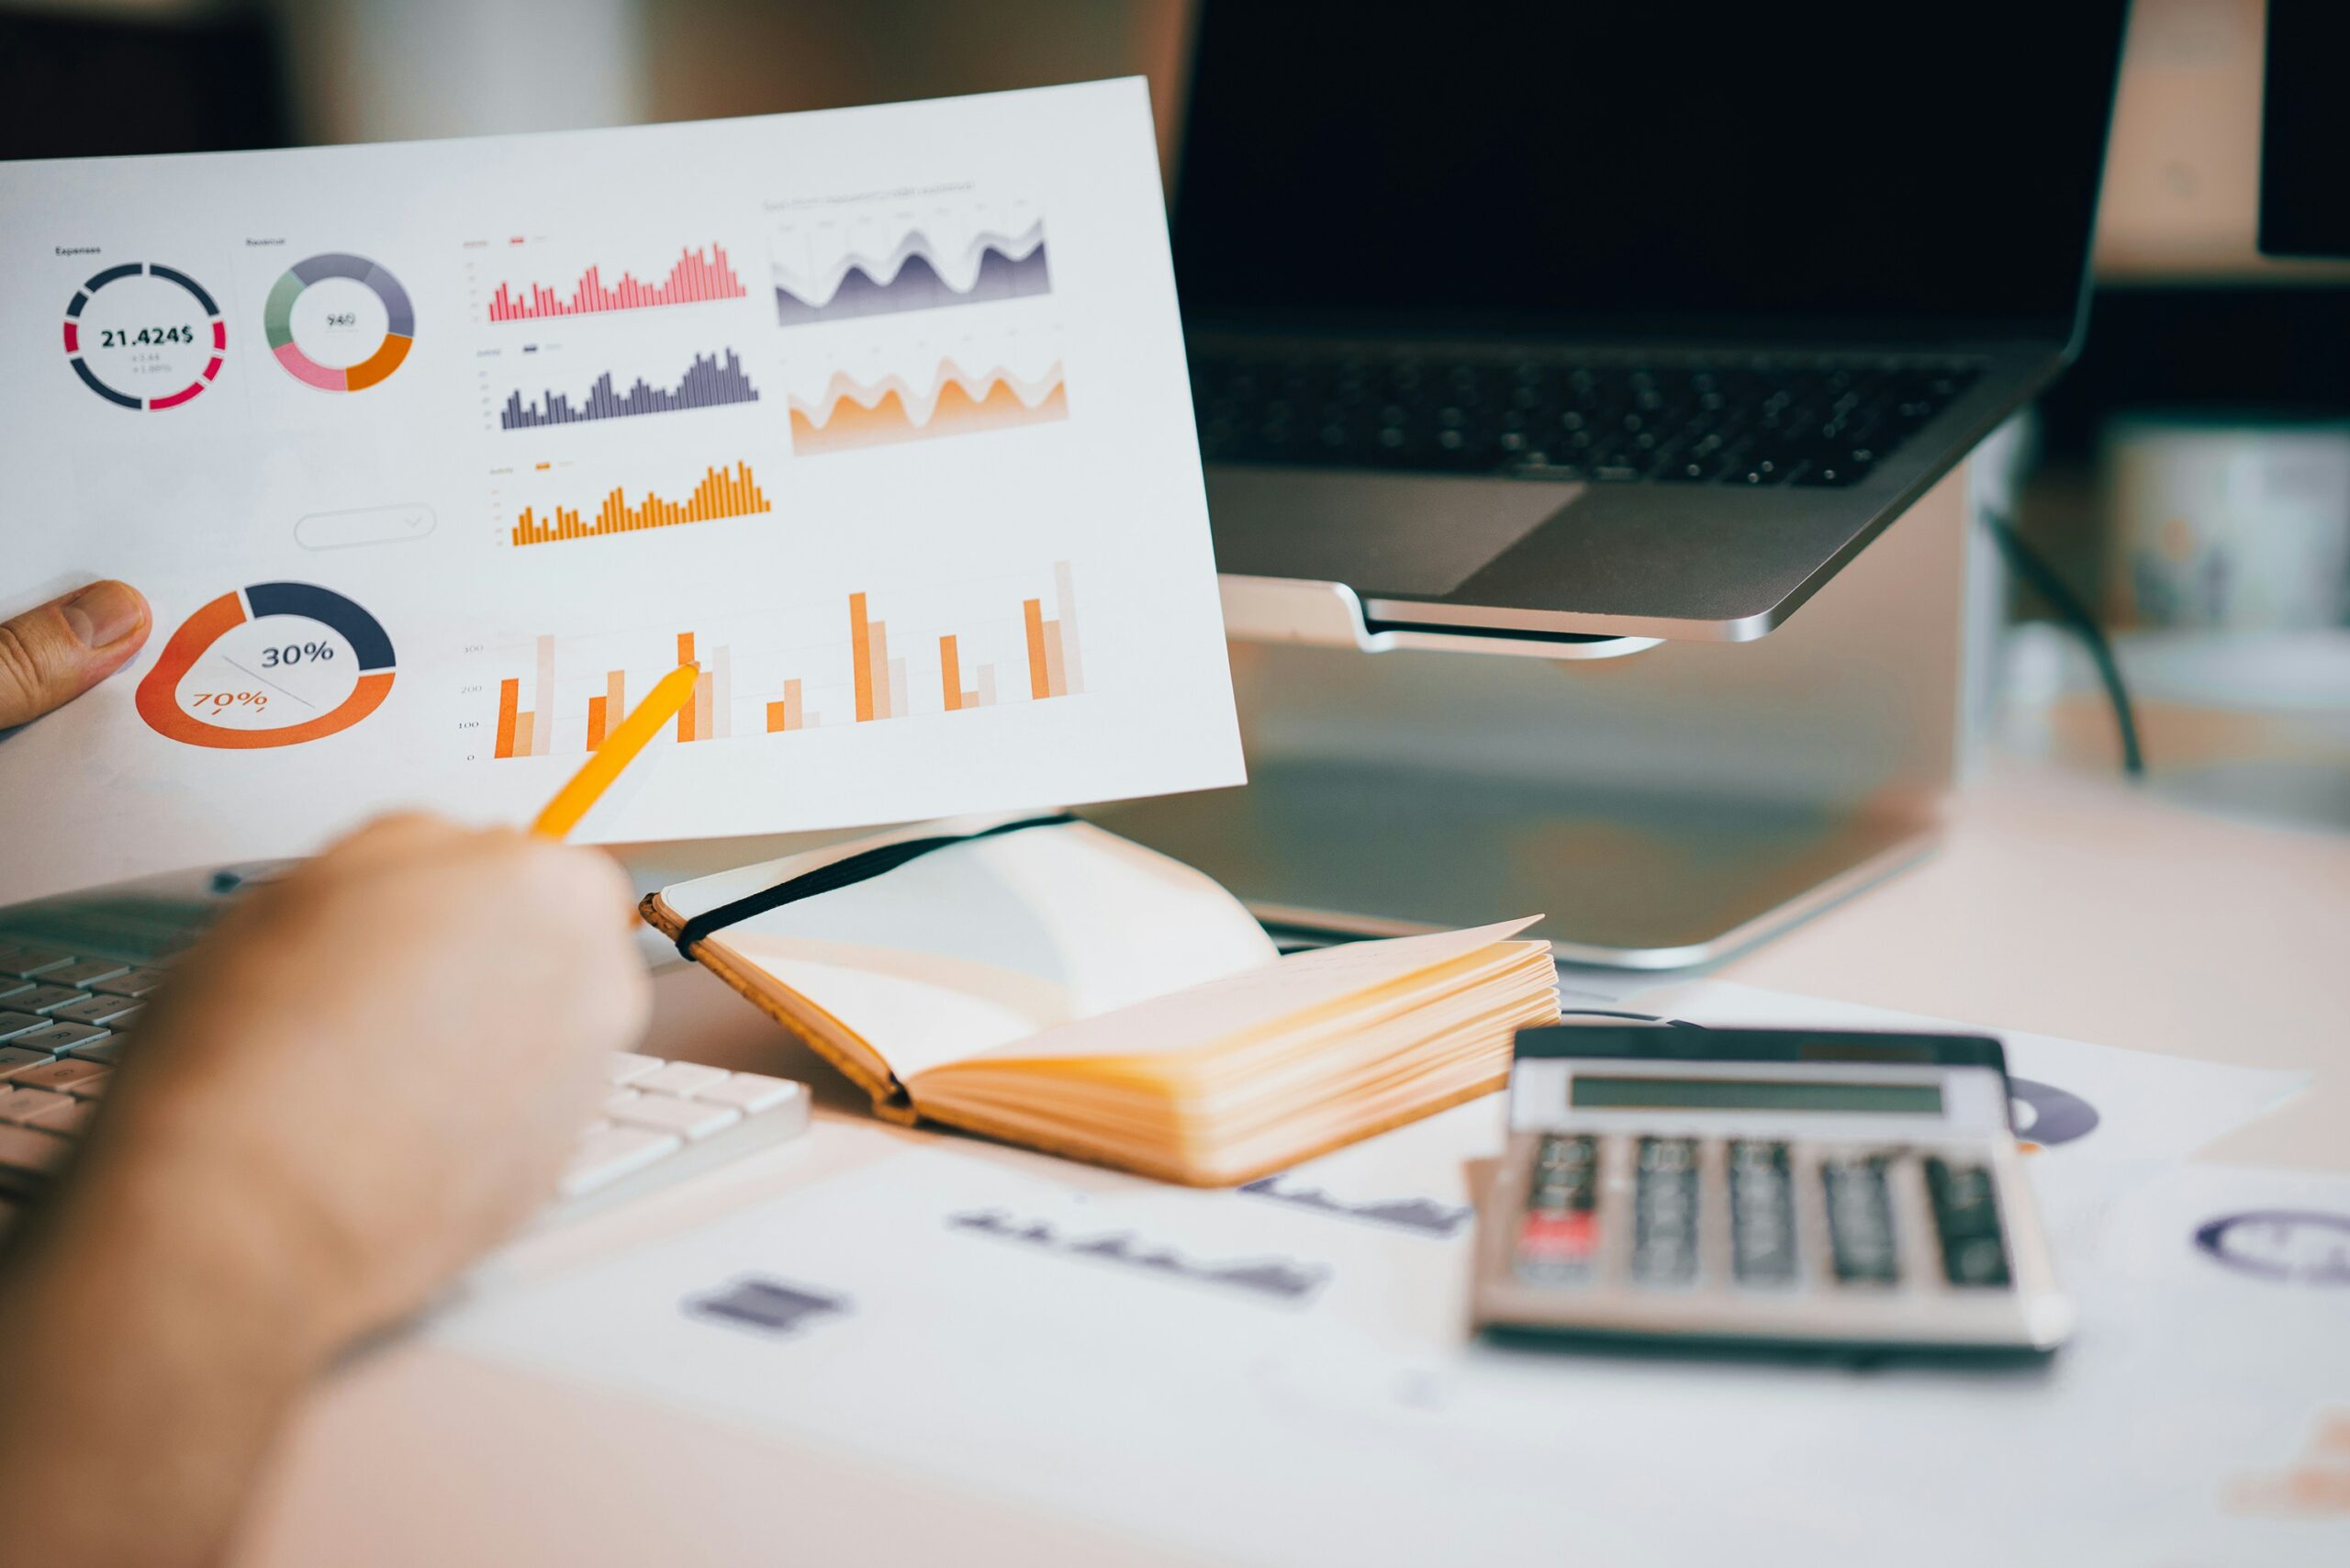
(852,414)
(720,494)
(915,277)
(707,384)
(693,279)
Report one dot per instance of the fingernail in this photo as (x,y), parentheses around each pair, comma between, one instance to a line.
(104,613)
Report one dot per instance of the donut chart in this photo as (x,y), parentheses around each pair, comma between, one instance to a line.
(2045,1115)
(228,678)
(308,343)
(144,336)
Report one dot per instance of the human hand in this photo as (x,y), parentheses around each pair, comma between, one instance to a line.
(374,1069)
(55,652)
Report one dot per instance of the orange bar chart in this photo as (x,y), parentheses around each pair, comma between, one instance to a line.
(983,646)
(509,697)
(879,680)
(1055,666)
(721,494)
(791,713)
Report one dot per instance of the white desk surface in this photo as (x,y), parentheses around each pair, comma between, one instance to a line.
(2058,903)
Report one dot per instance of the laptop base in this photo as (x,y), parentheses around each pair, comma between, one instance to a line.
(1627,882)
(1661,809)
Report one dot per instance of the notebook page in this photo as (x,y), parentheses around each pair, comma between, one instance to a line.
(986,943)
(1290,991)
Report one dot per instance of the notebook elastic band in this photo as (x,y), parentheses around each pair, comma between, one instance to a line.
(862,867)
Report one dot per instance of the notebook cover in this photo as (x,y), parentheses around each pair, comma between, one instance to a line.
(889,1097)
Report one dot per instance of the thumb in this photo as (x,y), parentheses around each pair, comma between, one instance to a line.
(51,655)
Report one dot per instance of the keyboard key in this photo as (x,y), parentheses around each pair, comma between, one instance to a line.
(751,1092)
(678,1078)
(1760,420)
(627,1067)
(669,1114)
(96,1010)
(135,982)
(32,1152)
(82,972)
(14,1060)
(13,1023)
(619,1097)
(108,1050)
(24,1105)
(43,999)
(31,961)
(606,1157)
(90,1088)
(68,1118)
(58,1038)
(62,1074)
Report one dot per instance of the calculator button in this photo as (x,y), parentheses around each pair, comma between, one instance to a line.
(1762,1213)
(1966,1217)
(1664,1212)
(1860,1220)
(1558,1239)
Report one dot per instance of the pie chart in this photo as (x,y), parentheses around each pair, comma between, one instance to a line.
(338,322)
(270,665)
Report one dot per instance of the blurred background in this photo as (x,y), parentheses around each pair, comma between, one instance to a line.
(2189,479)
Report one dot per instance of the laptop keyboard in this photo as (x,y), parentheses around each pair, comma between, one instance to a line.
(66,1020)
(1743,420)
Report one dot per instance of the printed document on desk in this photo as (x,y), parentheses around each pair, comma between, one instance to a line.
(1295,1352)
(432,458)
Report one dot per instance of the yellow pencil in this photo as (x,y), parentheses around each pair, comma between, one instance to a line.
(621,743)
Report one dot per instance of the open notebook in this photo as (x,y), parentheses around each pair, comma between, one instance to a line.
(1054,985)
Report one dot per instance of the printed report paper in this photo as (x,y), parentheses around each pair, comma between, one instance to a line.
(434,457)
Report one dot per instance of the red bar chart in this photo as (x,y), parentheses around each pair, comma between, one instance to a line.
(696,277)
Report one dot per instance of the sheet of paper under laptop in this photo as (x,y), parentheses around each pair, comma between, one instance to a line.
(432,458)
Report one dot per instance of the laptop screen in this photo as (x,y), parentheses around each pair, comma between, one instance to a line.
(1574,167)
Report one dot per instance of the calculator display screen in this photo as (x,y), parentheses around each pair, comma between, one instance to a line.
(1592,1093)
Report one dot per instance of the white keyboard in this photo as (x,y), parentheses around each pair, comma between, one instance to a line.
(66,1020)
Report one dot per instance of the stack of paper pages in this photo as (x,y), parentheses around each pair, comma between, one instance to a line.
(1063,987)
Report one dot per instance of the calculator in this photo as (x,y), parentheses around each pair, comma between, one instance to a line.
(1756,1188)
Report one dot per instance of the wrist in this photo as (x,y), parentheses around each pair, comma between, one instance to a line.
(172,1225)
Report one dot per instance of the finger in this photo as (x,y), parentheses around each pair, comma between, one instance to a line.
(51,655)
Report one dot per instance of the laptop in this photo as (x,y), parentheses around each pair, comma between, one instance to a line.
(1614,319)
